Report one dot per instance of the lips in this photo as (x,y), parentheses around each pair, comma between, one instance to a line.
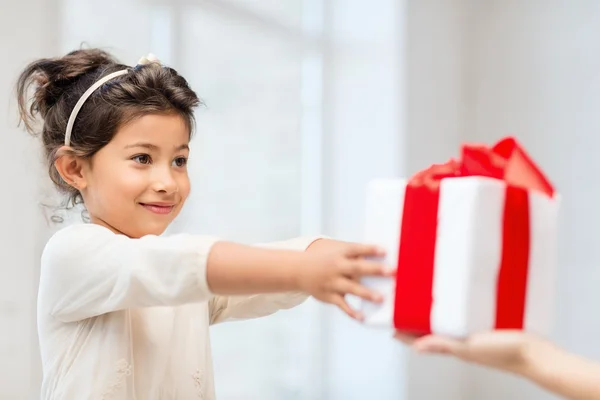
(158,208)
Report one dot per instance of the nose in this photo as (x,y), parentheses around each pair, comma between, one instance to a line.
(163,181)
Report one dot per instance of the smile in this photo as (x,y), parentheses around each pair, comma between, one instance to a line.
(158,208)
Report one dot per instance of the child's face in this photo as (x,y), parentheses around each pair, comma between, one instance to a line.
(138,182)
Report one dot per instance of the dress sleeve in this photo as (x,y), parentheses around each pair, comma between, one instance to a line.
(87,270)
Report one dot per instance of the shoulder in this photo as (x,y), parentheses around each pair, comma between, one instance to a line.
(76,241)
(85,229)
(79,234)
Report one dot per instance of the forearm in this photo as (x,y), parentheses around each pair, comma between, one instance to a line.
(326,245)
(225,307)
(560,372)
(234,269)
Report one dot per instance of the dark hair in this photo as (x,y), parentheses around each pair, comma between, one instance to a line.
(58,83)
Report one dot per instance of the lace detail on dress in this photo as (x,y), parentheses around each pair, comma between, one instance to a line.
(123,369)
(198,377)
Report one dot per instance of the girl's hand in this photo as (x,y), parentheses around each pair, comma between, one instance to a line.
(501,349)
(333,273)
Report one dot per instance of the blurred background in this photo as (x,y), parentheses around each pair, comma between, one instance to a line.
(306,101)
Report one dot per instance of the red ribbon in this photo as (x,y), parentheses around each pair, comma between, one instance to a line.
(505,161)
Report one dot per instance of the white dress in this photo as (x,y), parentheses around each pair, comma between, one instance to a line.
(122,318)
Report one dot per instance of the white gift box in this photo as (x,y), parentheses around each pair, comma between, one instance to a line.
(468,252)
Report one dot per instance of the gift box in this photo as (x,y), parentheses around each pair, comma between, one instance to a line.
(474,241)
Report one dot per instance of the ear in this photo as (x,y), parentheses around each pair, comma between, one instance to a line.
(71,167)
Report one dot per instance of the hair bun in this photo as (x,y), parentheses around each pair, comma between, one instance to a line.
(50,78)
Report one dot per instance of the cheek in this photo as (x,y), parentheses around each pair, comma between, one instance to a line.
(184,186)
(121,183)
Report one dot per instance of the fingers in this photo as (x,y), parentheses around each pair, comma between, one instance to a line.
(365,250)
(346,286)
(360,267)
(437,344)
(404,338)
(343,305)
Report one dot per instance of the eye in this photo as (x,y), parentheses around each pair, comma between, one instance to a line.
(142,159)
(180,162)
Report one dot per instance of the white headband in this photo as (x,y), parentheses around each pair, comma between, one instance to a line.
(150,58)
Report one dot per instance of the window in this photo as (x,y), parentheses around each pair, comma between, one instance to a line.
(256,65)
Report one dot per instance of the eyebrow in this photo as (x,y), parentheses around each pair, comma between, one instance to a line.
(151,146)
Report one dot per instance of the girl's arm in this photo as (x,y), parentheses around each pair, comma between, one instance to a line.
(325,272)
(224,308)
(87,271)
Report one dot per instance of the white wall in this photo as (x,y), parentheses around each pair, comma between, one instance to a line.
(536,72)
(25,33)
(482,70)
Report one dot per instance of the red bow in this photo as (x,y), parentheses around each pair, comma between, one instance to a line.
(506,161)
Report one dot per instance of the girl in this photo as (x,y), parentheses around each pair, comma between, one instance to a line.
(123,313)
(520,353)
